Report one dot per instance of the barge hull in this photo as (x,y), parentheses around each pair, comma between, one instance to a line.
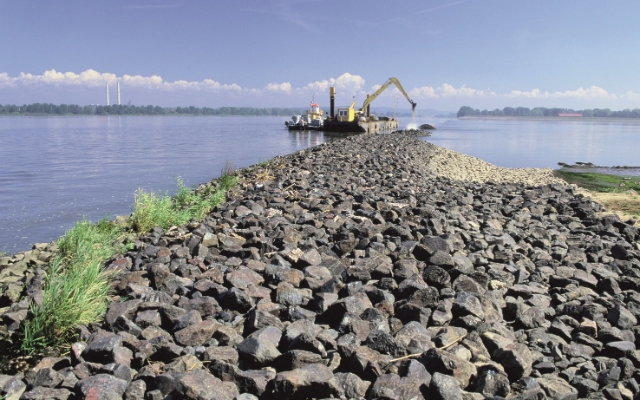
(362,127)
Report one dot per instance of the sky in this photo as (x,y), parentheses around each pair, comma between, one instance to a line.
(282,53)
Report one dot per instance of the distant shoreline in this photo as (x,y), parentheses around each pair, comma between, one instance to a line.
(134,115)
(543,118)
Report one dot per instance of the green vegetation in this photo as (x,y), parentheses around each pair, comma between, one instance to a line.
(599,182)
(73,109)
(264,164)
(549,112)
(76,290)
(151,210)
(76,287)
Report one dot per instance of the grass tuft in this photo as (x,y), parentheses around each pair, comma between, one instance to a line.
(599,182)
(151,210)
(76,286)
(76,289)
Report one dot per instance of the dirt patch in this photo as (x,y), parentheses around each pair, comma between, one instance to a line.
(626,204)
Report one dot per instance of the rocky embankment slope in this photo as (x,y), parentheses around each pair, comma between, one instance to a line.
(361,269)
(451,164)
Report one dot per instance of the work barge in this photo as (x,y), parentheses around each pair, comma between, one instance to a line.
(349,119)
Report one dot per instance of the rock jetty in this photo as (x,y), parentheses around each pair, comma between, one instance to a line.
(374,267)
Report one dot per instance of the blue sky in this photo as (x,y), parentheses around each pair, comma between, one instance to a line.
(279,53)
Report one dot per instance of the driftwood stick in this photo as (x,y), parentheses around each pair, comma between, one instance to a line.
(439,348)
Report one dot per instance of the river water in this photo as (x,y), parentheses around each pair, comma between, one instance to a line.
(57,170)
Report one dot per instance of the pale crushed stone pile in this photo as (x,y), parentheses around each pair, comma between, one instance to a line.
(458,166)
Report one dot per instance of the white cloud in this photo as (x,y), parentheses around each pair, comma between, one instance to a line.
(449,91)
(446,91)
(208,91)
(593,92)
(279,87)
(345,82)
(92,78)
(629,95)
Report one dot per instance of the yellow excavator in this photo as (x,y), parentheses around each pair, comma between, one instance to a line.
(350,114)
(348,119)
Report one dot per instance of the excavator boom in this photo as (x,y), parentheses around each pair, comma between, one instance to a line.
(382,89)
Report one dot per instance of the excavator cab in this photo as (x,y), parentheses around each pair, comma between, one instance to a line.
(347,114)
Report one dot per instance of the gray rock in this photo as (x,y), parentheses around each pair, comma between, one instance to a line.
(441,361)
(350,385)
(490,382)
(201,385)
(247,381)
(445,387)
(101,348)
(311,381)
(558,389)
(196,334)
(619,349)
(43,393)
(392,385)
(136,390)
(102,387)
(258,351)
(621,317)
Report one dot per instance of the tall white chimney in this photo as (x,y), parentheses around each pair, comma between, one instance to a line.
(107,94)
(118,92)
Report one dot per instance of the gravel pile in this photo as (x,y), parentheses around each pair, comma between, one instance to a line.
(351,270)
(454,165)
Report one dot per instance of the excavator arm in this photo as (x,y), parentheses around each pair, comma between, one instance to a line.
(382,89)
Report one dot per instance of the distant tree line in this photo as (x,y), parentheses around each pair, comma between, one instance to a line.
(549,112)
(73,109)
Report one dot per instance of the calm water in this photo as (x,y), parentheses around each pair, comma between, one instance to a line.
(542,143)
(55,170)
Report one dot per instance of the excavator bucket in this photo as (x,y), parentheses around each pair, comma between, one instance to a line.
(413,106)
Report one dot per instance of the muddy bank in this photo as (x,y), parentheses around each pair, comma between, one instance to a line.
(379,267)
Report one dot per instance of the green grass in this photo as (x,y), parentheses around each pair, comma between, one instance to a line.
(264,164)
(599,182)
(151,210)
(76,289)
(76,286)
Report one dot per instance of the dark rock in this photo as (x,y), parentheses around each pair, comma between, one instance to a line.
(557,388)
(311,381)
(393,386)
(44,393)
(350,385)
(440,361)
(101,348)
(260,348)
(619,349)
(201,385)
(196,334)
(384,343)
(445,387)
(436,276)
(247,381)
(102,387)
(490,382)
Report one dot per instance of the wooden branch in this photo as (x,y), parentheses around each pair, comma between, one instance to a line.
(439,348)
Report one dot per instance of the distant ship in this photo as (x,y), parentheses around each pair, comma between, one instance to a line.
(313,121)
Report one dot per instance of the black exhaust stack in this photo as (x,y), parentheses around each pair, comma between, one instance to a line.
(332,94)
(368,109)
